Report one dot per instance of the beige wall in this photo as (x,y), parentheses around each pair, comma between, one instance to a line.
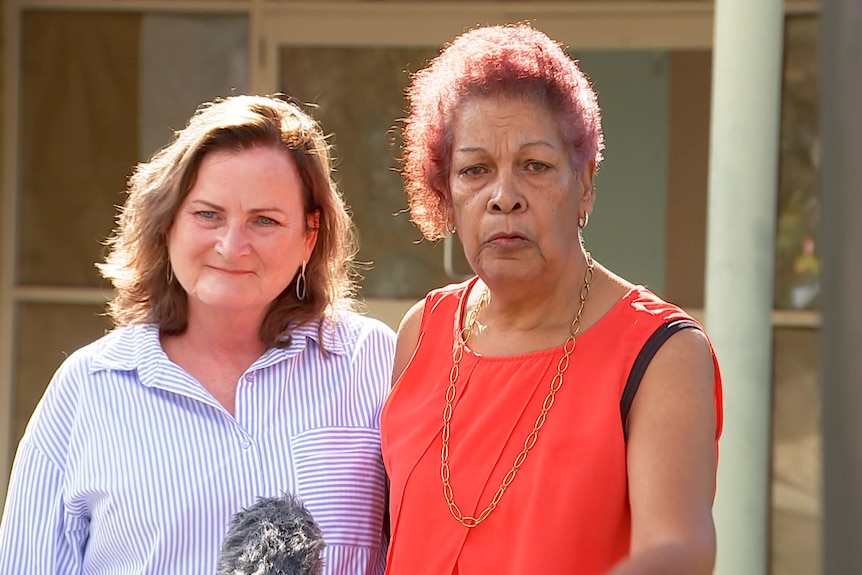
(688,156)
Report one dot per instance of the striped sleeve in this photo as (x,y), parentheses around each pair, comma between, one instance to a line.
(34,537)
(372,360)
(37,534)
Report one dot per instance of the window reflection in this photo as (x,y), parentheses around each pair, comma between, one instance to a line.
(357,95)
(797,262)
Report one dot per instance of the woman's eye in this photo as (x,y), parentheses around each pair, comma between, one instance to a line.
(265,221)
(537,166)
(205,214)
(473,171)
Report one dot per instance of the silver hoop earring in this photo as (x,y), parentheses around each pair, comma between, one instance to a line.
(169,274)
(300,283)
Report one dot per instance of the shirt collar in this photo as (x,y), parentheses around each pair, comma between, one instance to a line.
(331,337)
(129,348)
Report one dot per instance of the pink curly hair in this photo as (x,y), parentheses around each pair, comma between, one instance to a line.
(512,61)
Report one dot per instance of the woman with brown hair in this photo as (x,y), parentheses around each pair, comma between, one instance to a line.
(237,369)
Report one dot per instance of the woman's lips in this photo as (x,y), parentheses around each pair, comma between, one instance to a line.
(507,240)
(230,271)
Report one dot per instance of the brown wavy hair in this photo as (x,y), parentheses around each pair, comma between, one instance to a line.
(512,60)
(137,261)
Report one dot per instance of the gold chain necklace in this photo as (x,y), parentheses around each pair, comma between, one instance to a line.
(556,383)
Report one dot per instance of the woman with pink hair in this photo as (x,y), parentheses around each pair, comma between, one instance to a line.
(547,415)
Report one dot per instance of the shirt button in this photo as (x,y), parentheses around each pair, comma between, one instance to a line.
(249,377)
(246,444)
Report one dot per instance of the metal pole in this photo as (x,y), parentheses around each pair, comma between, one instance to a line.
(743,181)
(841,278)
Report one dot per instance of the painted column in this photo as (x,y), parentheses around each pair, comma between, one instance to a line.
(840,236)
(743,180)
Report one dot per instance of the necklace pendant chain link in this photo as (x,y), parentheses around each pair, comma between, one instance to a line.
(451,392)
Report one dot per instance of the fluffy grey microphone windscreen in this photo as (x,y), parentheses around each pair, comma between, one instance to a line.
(275,536)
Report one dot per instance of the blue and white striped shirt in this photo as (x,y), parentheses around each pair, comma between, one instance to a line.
(129,466)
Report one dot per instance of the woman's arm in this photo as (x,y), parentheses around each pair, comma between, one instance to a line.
(34,537)
(671,460)
(39,535)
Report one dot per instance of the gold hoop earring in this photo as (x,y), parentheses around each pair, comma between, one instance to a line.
(451,229)
(300,281)
(583,221)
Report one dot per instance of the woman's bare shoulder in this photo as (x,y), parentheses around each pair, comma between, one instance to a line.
(408,336)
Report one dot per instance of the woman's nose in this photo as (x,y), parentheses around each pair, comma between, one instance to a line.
(233,241)
(506,196)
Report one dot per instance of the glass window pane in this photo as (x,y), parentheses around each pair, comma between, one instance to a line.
(797,263)
(78,124)
(101,91)
(358,94)
(796,522)
(185,60)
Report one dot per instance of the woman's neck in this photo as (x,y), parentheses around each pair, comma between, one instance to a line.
(525,307)
(222,335)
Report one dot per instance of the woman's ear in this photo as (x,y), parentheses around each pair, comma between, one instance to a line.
(588,182)
(312,226)
(449,212)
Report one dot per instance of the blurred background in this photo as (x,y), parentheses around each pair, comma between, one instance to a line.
(91,87)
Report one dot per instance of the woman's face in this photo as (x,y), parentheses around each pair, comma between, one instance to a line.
(515,194)
(241,233)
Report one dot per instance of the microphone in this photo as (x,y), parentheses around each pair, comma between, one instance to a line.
(275,536)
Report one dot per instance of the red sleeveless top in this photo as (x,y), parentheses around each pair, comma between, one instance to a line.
(567,510)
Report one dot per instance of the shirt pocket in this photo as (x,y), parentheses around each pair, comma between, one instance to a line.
(341,480)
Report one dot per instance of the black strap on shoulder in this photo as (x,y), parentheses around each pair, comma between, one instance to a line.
(650,348)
